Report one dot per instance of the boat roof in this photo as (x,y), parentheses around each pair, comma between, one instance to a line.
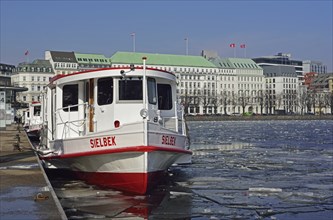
(114,71)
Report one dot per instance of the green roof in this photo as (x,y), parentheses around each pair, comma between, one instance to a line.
(234,63)
(222,63)
(243,63)
(92,58)
(161,59)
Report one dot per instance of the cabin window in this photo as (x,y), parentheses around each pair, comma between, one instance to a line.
(152,96)
(164,96)
(105,91)
(130,89)
(37,110)
(70,98)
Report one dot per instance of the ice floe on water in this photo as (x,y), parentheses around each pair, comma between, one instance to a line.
(240,170)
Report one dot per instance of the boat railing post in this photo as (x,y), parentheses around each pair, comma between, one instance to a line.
(176,114)
(69,121)
(184,129)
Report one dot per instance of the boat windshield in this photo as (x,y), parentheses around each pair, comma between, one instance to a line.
(130,89)
(164,96)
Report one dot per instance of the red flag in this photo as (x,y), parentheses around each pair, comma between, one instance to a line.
(242,46)
(26,53)
(232,45)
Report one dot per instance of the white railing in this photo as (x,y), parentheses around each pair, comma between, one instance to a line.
(177,122)
(72,125)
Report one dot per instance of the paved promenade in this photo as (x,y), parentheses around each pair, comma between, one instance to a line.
(25,192)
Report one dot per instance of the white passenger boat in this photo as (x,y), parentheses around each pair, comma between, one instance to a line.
(33,120)
(116,127)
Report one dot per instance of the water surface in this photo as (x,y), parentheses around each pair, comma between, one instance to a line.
(240,170)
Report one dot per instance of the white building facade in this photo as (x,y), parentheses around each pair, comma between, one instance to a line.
(282,90)
(207,86)
(34,76)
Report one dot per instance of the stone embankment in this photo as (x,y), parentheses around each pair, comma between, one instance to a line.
(25,190)
(258,117)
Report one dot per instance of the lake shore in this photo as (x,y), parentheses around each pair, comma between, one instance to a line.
(259,117)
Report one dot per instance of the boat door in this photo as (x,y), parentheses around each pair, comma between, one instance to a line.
(152,99)
(104,107)
(70,115)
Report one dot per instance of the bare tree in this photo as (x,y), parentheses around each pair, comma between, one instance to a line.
(272,101)
(311,101)
(302,100)
(243,99)
(261,100)
(224,100)
(322,101)
(331,102)
(185,100)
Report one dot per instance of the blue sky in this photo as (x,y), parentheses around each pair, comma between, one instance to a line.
(302,28)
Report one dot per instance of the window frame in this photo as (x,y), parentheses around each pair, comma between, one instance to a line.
(73,94)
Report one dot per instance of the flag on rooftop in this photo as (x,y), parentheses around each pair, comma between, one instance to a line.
(232,45)
(242,46)
(26,53)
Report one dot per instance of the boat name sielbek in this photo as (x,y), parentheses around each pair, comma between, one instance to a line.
(103,142)
(168,140)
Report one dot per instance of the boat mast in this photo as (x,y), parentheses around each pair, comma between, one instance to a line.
(145,103)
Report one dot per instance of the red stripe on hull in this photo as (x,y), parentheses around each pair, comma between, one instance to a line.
(118,150)
(138,183)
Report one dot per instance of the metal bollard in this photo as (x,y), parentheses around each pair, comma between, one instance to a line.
(18,138)
(17,146)
(18,128)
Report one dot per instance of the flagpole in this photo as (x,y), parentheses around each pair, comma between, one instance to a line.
(133,37)
(243,46)
(186,46)
(26,56)
(233,45)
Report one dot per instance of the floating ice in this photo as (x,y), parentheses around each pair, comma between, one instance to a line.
(264,189)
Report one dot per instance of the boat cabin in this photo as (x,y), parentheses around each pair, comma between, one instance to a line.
(96,101)
(32,116)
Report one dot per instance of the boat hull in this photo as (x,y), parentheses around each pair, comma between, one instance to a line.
(132,169)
